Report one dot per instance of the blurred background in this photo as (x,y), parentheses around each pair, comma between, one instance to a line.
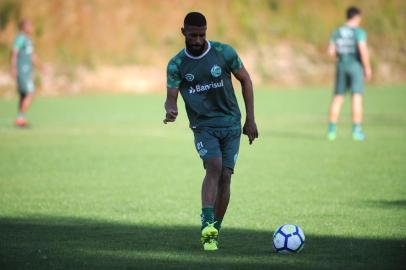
(124,45)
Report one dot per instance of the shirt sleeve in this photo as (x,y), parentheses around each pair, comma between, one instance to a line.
(232,59)
(361,35)
(173,77)
(19,42)
(333,36)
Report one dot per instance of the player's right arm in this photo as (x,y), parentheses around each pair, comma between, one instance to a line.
(18,44)
(173,79)
(171,106)
(14,56)
(364,53)
(331,49)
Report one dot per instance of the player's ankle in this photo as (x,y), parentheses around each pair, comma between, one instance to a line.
(332,127)
(356,127)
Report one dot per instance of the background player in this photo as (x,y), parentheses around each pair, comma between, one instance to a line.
(22,60)
(202,74)
(349,44)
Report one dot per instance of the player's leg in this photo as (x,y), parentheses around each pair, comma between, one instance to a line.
(23,106)
(213,167)
(208,147)
(357,89)
(209,234)
(357,109)
(26,102)
(223,196)
(337,102)
(334,114)
(26,95)
(230,144)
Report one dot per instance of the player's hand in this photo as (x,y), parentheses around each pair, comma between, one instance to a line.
(250,129)
(14,73)
(44,70)
(368,74)
(170,116)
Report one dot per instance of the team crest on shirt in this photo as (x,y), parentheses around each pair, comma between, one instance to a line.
(189,77)
(215,71)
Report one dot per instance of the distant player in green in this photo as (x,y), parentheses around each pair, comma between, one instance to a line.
(349,45)
(22,60)
(202,74)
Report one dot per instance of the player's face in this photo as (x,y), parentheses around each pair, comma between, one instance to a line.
(28,28)
(357,19)
(195,39)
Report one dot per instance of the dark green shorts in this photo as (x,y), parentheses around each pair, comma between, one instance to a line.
(25,84)
(218,142)
(349,76)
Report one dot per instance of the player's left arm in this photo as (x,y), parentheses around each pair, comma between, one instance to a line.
(250,127)
(37,61)
(364,52)
(361,36)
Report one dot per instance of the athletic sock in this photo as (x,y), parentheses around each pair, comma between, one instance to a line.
(207,216)
(21,115)
(332,127)
(218,221)
(356,127)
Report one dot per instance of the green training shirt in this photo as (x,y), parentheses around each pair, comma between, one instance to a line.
(346,40)
(23,45)
(205,85)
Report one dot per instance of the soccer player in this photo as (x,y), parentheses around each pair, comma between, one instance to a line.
(22,60)
(349,44)
(201,72)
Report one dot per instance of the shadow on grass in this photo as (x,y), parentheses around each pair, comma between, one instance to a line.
(388,204)
(69,243)
(295,135)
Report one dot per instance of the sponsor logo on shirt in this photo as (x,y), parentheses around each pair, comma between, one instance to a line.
(205,87)
(189,77)
(215,71)
(345,46)
(346,33)
(346,42)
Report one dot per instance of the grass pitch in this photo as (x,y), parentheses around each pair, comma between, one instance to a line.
(100,183)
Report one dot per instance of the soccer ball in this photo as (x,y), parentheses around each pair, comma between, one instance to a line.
(288,238)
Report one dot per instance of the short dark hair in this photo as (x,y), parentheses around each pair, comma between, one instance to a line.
(22,23)
(352,12)
(195,19)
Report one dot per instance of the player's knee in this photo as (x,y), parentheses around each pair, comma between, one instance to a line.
(226,177)
(338,99)
(356,96)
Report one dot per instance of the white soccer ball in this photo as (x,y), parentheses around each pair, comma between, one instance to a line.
(288,238)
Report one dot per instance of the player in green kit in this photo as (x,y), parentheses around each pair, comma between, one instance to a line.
(349,44)
(22,60)
(202,74)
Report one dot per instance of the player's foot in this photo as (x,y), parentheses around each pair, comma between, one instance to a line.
(210,245)
(21,122)
(358,135)
(331,136)
(209,237)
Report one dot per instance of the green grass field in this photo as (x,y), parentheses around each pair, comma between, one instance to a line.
(100,183)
